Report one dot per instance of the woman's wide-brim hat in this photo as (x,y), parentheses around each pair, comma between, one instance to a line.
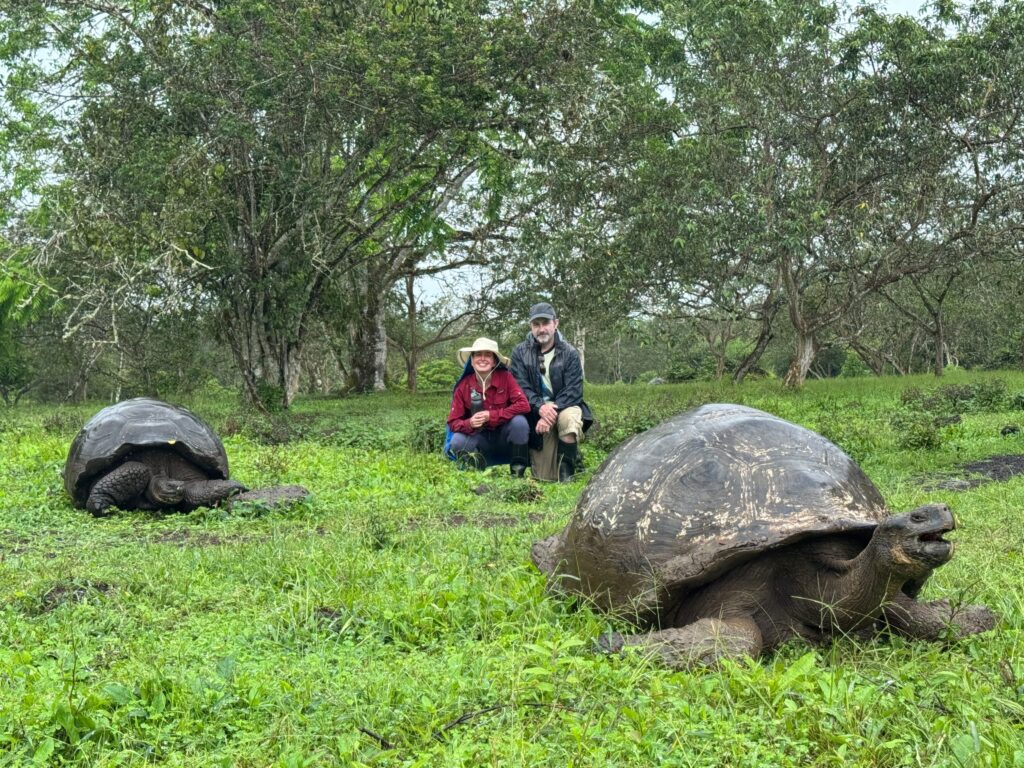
(482,344)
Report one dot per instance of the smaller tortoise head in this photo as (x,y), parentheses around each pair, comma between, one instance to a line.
(913,543)
(165,492)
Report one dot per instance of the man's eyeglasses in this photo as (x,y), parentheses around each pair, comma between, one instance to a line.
(543,370)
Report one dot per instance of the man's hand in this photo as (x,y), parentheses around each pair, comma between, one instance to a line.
(548,417)
(480,418)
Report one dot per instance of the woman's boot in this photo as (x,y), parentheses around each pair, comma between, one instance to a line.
(520,458)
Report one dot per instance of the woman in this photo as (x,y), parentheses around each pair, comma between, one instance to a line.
(487,414)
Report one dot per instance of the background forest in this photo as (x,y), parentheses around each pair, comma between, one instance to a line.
(311,196)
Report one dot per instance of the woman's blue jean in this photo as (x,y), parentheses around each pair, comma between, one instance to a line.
(494,444)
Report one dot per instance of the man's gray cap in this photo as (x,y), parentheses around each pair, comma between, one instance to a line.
(542,309)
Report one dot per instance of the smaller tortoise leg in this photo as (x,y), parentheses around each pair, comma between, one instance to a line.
(209,493)
(705,641)
(119,486)
(937,619)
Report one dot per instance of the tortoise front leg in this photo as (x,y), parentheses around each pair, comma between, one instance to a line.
(119,486)
(705,641)
(936,619)
(209,493)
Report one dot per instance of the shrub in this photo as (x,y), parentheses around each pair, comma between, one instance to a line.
(990,395)
(426,435)
(927,401)
(957,396)
(617,425)
(353,433)
(858,437)
(434,375)
(915,430)
(271,397)
(948,400)
(62,422)
(854,366)
(276,429)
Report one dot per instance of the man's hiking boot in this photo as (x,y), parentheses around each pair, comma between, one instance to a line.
(568,456)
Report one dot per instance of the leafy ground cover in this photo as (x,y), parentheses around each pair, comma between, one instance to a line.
(395,618)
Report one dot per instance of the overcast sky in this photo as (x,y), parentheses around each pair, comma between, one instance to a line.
(910,7)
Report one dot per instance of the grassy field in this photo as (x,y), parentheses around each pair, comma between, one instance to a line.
(395,619)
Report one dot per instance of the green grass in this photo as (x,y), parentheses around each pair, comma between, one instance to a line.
(395,619)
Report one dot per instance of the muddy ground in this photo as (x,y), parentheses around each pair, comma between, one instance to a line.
(975,473)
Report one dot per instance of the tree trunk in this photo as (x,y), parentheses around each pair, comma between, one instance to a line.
(806,344)
(266,361)
(717,334)
(581,347)
(875,359)
(803,358)
(412,359)
(290,372)
(763,338)
(769,308)
(369,345)
(78,392)
(380,353)
(939,333)
(618,358)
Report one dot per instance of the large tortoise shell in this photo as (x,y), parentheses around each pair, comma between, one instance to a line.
(680,504)
(117,430)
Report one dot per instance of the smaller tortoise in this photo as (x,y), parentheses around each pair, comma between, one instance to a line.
(147,454)
(729,531)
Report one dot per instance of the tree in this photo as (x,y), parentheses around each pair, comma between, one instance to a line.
(267,156)
(788,109)
(20,305)
(958,77)
(783,163)
(424,326)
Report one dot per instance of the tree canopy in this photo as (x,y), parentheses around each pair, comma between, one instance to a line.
(280,179)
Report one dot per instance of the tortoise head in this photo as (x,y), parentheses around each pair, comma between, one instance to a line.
(165,492)
(913,542)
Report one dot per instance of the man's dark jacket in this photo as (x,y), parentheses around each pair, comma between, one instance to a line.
(566,374)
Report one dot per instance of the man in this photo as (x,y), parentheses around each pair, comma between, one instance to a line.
(550,374)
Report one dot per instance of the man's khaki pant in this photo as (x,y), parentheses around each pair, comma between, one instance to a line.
(544,463)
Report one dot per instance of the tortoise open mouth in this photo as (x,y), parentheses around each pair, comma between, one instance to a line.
(934,547)
(934,536)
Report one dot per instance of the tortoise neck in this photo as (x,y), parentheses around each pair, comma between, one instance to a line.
(847,588)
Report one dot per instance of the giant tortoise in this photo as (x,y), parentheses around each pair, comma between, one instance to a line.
(147,454)
(726,531)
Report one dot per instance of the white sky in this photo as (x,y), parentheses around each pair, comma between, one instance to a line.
(908,7)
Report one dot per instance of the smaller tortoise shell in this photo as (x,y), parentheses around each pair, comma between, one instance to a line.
(113,433)
(677,506)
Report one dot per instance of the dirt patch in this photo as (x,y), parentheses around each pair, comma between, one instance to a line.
(520,493)
(998,468)
(270,498)
(975,473)
(12,543)
(186,538)
(493,521)
(338,620)
(15,543)
(71,592)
